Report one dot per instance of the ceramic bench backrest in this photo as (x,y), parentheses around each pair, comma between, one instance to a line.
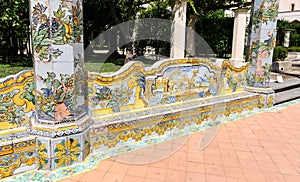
(166,82)
(16,105)
(133,87)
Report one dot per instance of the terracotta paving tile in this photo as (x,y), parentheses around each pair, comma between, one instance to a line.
(253,175)
(256,148)
(91,176)
(238,140)
(195,167)
(138,171)
(298,168)
(248,164)
(178,161)
(133,179)
(164,163)
(214,178)
(229,179)
(231,161)
(197,156)
(212,159)
(225,145)
(223,138)
(233,172)
(287,169)
(112,177)
(292,178)
(153,180)
(195,177)
(118,167)
(244,155)
(267,166)
(156,173)
(214,169)
(263,147)
(175,176)
(211,151)
(231,153)
(183,148)
(280,159)
(254,142)
(261,156)
(241,147)
(142,159)
(177,165)
(272,176)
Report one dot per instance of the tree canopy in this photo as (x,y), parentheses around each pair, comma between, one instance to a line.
(99,15)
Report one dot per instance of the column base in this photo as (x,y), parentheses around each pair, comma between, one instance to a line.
(266,96)
(62,145)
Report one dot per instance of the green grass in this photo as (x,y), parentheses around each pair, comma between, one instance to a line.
(6,69)
(101,68)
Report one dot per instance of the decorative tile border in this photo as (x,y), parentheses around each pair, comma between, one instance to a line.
(94,159)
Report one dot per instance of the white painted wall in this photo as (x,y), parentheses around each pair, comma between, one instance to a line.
(285,5)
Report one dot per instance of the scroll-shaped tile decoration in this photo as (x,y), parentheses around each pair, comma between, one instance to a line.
(16,100)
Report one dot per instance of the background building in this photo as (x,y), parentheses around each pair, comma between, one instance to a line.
(289,10)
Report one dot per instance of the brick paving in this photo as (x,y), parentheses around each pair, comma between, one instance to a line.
(263,147)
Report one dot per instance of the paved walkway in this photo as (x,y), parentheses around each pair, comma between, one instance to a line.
(264,147)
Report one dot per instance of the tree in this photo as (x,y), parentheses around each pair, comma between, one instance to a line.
(14,25)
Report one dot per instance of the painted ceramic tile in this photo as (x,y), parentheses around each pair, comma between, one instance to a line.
(8,117)
(66,53)
(63,67)
(66,152)
(40,22)
(56,100)
(16,100)
(113,96)
(262,41)
(6,147)
(77,17)
(44,152)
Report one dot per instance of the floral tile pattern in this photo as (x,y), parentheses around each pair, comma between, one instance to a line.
(93,159)
(262,41)
(16,100)
(55,23)
(57,29)
(140,89)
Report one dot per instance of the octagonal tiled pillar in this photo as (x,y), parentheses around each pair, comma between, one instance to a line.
(61,124)
(262,40)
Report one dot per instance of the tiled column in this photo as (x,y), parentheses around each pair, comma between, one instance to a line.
(179,30)
(262,42)
(61,124)
(238,40)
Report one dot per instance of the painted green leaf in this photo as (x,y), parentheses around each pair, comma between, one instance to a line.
(59,13)
(56,83)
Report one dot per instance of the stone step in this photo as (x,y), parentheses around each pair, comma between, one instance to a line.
(287,95)
(288,84)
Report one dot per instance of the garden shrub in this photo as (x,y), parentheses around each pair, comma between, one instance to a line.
(280,53)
